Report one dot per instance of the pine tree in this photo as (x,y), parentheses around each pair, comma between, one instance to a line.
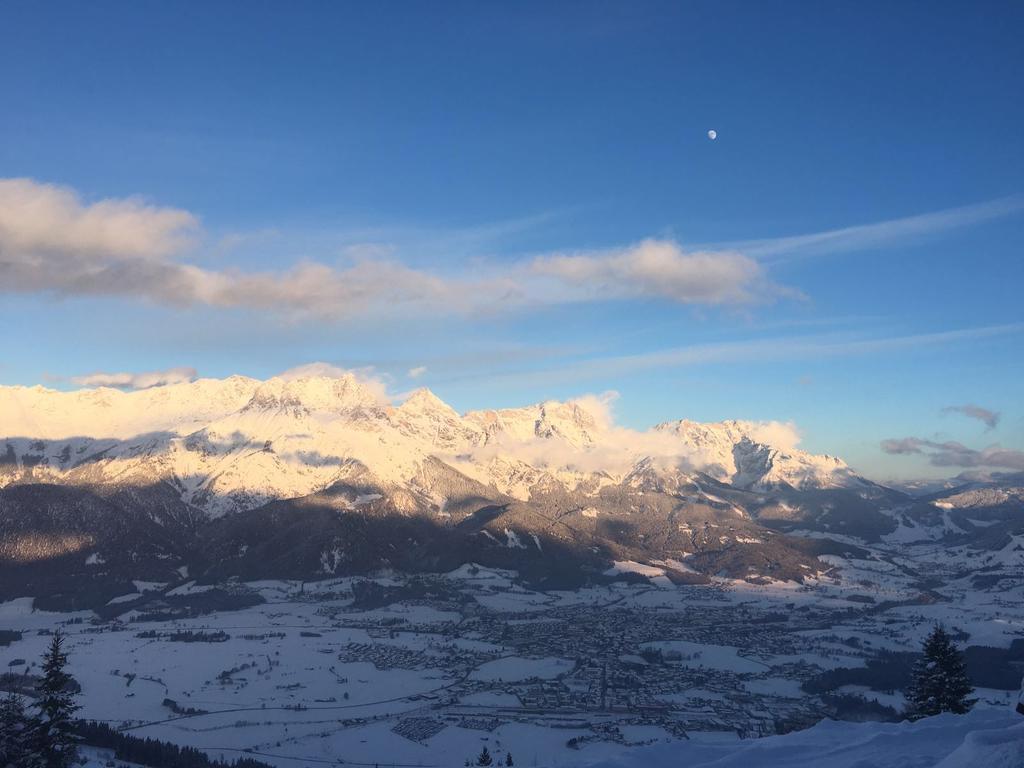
(484,758)
(940,682)
(508,760)
(55,742)
(14,732)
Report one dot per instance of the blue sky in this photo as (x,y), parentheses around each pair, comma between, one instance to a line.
(523,200)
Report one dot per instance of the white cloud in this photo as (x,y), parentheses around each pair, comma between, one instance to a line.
(143,380)
(599,406)
(50,241)
(49,219)
(53,242)
(324,291)
(415,373)
(781,434)
(660,269)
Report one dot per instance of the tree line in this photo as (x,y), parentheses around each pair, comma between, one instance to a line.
(42,736)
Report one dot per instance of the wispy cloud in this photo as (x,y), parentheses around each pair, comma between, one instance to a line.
(812,347)
(987,417)
(415,373)
(880,233)
(143,380)
(954,454)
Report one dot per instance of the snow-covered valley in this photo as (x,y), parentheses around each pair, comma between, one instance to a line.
(427,670)
(302,571)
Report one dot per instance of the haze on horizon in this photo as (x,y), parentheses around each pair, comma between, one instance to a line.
(515,205)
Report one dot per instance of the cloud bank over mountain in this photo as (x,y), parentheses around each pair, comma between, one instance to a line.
(144,380)
(954,454)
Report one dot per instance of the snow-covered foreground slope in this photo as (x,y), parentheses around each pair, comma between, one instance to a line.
(984,738)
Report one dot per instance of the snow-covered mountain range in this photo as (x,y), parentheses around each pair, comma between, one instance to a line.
(296,477)
(231,444)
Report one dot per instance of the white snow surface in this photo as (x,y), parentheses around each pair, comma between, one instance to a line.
(984,738)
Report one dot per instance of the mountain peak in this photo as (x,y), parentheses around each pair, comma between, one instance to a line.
(549,419)
(423,399)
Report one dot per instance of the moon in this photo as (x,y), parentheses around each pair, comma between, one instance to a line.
(712,135)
